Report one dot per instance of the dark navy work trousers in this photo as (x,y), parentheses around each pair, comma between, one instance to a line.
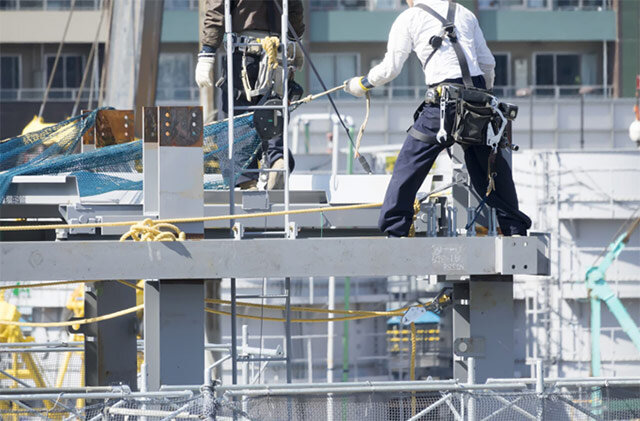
(275,147)
(416,159)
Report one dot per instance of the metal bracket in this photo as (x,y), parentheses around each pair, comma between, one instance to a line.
(238,231)
(255,201)
(292,230)
(469,347)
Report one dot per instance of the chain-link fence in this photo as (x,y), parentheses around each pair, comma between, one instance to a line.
(573,403)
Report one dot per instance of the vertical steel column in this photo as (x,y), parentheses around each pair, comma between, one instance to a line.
(287,326)
(150,161)
(491,317)
(181,171)
(234,332)
(228,30)
(174,321)
(285,108)
(461,327)
(110,346)
(174,332)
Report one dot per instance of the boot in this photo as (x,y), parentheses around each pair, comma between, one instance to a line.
(276,179)
(249,185)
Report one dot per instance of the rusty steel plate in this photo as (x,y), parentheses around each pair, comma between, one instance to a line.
(180,126)
(89,137)
(150,124)
(114,127)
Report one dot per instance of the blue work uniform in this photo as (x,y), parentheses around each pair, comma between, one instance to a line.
(416,159)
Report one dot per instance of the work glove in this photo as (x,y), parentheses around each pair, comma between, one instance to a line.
(204,70)
(357,86)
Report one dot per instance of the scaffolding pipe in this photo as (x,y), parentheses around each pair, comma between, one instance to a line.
(228,29)
(284,41)
(389,388)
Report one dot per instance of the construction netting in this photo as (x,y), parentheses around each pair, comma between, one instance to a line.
(56,150)
(585,403)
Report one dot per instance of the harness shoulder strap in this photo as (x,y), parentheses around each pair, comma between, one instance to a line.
(449,29)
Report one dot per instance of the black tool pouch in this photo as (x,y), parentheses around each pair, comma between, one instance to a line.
(471,121)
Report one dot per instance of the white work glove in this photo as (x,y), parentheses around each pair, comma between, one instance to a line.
(355,87)
(204,70)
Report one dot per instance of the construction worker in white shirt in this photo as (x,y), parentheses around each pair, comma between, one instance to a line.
(459,69)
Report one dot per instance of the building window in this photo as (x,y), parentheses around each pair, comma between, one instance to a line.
(180,4)
(9,77)
(68,72)
(175,77)
(557,71)
(10,72)
(503,69)
(409,81)
(334,68)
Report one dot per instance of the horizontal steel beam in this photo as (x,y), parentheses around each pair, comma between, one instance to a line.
(207,259)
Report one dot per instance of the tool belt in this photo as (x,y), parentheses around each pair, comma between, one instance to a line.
(475,111)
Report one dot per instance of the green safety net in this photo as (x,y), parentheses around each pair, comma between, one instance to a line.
(56,150)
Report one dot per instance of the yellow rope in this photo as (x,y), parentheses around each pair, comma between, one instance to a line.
(412,368)
(198,219)
(280,319)
(270,46)
(149,230)
(396,312)
(75,322)
(416,210)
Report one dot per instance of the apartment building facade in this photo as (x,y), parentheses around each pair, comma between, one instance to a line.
(547,48)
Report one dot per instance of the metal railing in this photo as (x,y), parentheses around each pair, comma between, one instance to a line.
(49,4)
(328,5)
(191,95)
(546,4)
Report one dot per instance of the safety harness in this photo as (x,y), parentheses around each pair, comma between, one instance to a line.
(480,118)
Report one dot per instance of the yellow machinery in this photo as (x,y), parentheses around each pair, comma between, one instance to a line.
(23,366)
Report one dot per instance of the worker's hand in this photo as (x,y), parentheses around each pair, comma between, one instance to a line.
(355,86)
(204,70)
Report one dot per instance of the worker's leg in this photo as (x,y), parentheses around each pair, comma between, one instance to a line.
(412,166)
(505,199)
(276,151)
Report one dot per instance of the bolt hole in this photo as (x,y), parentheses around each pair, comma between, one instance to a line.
(525,266)
(167,114)
(194,124)
(126,125)
(193,115)
(126,134)
(525,244)
(167,124)
(167,133)
(513,266)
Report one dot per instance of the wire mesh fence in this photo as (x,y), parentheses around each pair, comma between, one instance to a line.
(575,403)
(41,369)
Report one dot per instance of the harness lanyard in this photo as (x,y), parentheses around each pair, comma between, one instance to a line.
(448,27)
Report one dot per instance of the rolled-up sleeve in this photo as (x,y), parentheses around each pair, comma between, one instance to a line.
(399,47)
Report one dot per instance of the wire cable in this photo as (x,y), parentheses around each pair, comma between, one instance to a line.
(361,159)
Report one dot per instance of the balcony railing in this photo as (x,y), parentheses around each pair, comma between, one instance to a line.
(546,4)
(321,5)
(408,93)
(49,4)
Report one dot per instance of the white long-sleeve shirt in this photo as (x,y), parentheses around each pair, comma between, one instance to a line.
(412,30)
